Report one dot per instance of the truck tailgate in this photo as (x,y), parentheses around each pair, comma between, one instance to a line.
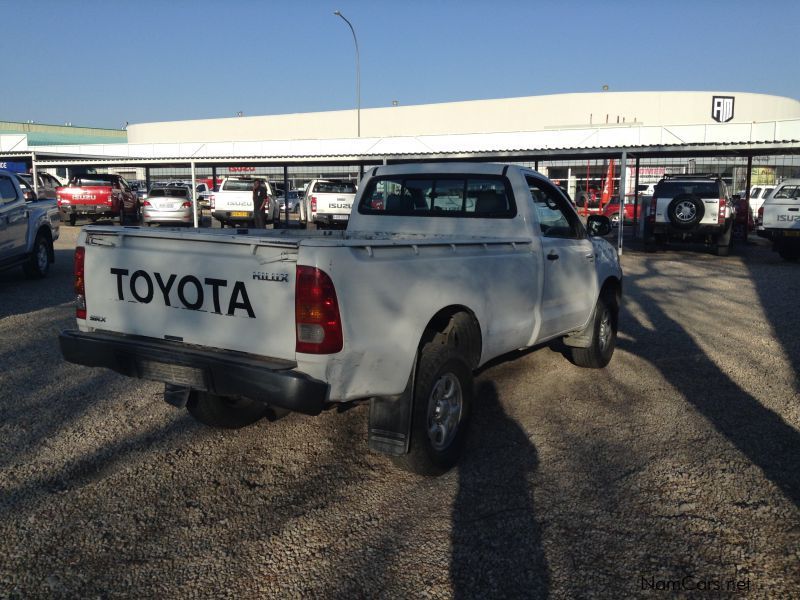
(213,290)
(90,194)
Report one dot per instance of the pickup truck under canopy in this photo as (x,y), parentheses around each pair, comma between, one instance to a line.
(442,267)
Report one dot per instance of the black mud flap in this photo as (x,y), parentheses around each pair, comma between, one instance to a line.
(176,395)
(390,421)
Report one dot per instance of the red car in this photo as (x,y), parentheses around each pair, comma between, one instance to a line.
(611,210)
(97,196)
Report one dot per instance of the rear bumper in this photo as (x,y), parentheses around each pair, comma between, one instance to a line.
(326,219)
(86,209)
(221,372)
(167,216)
(227,216)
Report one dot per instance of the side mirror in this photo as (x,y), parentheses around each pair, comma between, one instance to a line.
(598,225)
(30,196)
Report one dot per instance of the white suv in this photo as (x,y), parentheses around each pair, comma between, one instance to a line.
(690,208)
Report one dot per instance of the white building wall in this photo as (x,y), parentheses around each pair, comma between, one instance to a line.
(534,113)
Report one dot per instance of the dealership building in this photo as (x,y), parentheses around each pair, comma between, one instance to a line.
(748,138)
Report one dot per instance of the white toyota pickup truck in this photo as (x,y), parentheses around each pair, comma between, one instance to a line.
(442,268)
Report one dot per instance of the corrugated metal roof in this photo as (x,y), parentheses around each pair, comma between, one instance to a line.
(757,137)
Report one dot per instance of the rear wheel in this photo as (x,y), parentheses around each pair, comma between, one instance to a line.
(39,261)
(443,391)
(788,251)
(724,241)
(224,412)
(72,219)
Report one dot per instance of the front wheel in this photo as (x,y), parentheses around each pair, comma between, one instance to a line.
(39,261)
(603,335)
(224,412)
(443,392)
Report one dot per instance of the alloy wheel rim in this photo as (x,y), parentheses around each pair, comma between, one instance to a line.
(604,334)
(445,406)
(41,257)
(685,211)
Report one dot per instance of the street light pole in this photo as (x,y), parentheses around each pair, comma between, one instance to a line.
(358,70)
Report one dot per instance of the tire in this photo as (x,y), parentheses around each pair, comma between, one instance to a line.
(604,335)
(72,219)
(724,241)
(223,412)
(790,252)
(38,263)
(443,391)
(685,211)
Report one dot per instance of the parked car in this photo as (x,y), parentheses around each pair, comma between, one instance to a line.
(233,203)
(98,196)
(690,208)
(397,313)
(169,205)
(294,202)
(611,210)
(781,219)
(47,185)
(759,193)
(28,228)
(327,202)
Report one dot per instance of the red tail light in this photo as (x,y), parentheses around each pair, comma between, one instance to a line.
(761,213)
(80,284)
(186,205)
(316,313)
(721,217)
(313,204)
(146,203)
(651,217)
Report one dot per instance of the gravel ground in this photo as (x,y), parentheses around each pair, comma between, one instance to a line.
(675,466)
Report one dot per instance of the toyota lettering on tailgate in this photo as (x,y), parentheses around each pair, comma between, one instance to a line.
(187,292)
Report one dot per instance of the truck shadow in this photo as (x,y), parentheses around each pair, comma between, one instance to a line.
(757,431)
(495,531)
(19,295)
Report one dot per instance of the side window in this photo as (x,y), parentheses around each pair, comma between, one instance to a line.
(788,191)
(556,218)
(8,193)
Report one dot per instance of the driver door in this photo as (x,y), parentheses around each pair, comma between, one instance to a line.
(13,220)
(570,282)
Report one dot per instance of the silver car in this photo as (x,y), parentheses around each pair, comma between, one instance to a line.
(294,202)
(169,205)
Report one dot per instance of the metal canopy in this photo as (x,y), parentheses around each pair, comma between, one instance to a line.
(45,159)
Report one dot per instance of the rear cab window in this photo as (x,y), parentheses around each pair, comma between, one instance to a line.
(335,187)
(443,195)
(702,189)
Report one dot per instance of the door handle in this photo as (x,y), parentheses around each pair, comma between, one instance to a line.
(552,256)
(589,256)
(793,209)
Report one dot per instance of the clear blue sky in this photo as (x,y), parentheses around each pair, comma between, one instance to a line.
(104,63)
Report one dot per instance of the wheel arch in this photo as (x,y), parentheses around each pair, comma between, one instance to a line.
(45,232)
(443,323)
